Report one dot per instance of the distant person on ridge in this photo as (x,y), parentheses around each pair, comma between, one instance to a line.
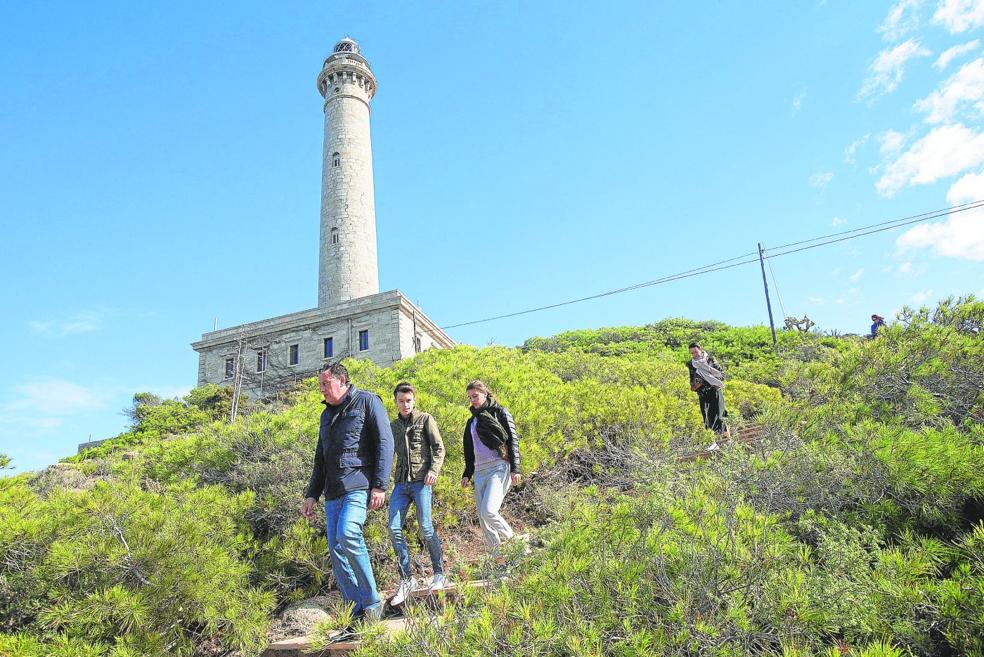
(707,380)
(352,468)
(491,448)
(877,322)
(419,456)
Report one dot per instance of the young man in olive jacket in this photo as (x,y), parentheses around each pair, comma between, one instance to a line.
(419,456)
(351,469)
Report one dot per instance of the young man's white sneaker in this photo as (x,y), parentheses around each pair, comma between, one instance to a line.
(439,582)
(402,591)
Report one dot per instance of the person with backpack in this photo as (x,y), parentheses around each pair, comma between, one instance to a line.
(707,380)
(491,447)
(419,456)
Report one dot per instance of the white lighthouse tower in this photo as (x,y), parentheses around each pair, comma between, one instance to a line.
(348,267)
(353,319)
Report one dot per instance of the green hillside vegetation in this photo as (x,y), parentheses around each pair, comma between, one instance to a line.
(853,526)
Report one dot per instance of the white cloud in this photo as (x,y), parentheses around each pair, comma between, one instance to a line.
(902,19)
(837,221)
(922,296)
(964,86)
(885,73)
(967,189)
(959,15)
(890,141)
(857,275)
(821,179)
(905,267)
(950,54)
(851,151)
(83,322)
(945,151)
(58,398)
(798,102)
(816,301)
(961,235)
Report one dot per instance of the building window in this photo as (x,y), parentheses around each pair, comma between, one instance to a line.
(230,370)
(329,347)
(295,357)
(364,340)
(336,159)
(334,236)
(261,361)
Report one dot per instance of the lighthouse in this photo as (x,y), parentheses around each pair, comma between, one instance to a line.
(353,319)
(348,267)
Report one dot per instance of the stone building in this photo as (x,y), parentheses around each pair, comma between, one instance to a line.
(352,319)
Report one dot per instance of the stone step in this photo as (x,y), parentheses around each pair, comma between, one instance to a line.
(746,436)
(301,646)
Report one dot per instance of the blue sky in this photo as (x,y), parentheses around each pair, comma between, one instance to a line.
(161,163)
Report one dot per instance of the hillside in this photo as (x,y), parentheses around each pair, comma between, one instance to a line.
(853,525)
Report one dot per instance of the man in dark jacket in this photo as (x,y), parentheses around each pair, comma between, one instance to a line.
(352,469)
(707,380)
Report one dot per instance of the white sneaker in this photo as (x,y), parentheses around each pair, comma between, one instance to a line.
(402,591)
(713,447)
(439,582)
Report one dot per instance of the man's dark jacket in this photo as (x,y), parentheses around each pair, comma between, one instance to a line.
(355,447)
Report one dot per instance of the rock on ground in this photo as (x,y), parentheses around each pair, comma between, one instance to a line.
(300,618)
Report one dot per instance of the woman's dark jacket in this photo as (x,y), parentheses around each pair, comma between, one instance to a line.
(508,448)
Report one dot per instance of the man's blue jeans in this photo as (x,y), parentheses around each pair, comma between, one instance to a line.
(420,495)
(345,517)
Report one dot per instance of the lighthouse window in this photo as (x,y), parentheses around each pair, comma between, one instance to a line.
(336,159)
(364,340)
(334,236)
(230,368)
(294,354)
(261,361)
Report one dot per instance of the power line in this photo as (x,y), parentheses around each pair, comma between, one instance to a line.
(923,216)
(775,284)
(871,230)
(744,259)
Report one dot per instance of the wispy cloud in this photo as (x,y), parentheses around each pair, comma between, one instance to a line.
(837,221)
(945,151)
(83,322)
(962,234)
(922,296)
(959,15)
(950,54)
(902,19)
(963,87)
(850,153)
(821,179)
(856,276)
(798,102)
(57,398)
(890,142)
(886,71)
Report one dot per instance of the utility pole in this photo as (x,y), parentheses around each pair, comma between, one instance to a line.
(768,303)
